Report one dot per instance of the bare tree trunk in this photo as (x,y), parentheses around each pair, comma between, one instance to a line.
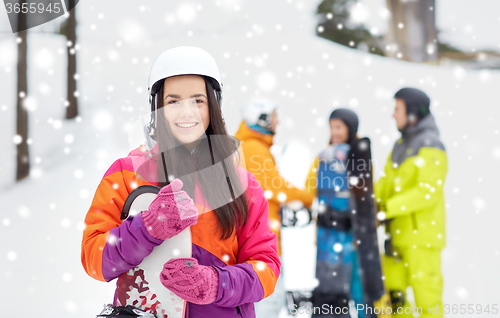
(23,162)
(428,7)
(395,37)
(70,32)
(412,31)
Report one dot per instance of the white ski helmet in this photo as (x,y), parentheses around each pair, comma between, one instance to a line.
(258,112)
(181,60)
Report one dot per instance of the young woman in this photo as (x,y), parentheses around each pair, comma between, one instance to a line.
(337,268)
(234,259)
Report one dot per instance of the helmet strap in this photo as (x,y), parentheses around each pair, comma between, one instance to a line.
(151,126)
(218,96)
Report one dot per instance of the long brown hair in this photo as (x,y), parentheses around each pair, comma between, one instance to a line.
(219,182)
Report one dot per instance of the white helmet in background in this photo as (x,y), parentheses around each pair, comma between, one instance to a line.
(182,60)
(258,112)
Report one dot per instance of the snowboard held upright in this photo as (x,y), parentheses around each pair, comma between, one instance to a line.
(365,232)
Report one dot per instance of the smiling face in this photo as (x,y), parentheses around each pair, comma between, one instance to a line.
(339,131)
(186,107)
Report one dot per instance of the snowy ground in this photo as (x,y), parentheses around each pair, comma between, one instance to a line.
(259,52)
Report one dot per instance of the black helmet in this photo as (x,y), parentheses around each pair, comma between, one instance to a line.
(417,102)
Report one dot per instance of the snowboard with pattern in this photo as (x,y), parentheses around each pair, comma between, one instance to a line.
(141,286)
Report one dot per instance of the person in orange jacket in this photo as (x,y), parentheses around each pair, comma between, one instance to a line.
(256,134)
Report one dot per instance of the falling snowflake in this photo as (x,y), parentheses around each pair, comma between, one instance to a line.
(384,140)
(496,153)
(17,139)
(11,256)
(320,121)
(267,81)
(44,88)
(132,31)
(69,138)
(71,306)
(113,55)
(381,216)
(479,203)
(103,120)
(66,277)
(81,226)
(30,103)
(268,194)
(24,212)
(281,197)
(359,13)
(112,239)
(186,12)
(57,124)
(484,76)
(275,225)
(78,173)
(461,292)
(36,173)
(44,59)
(84,194)
(65,223)
(353,181)
(261,266)
(337,247)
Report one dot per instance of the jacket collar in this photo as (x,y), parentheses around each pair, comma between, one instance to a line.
(427,123)
(245,133)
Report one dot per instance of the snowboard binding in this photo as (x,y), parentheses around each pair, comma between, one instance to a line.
(110,311)
(335,219)
(290,217)
(297,299)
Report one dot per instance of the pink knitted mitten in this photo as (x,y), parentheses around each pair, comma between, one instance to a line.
(170,212)
(190,281)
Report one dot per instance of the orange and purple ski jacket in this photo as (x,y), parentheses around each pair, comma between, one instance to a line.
(247,263)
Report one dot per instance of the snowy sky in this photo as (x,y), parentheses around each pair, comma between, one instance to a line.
(464,24)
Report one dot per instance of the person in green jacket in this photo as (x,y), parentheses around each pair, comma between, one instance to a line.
(412,197)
